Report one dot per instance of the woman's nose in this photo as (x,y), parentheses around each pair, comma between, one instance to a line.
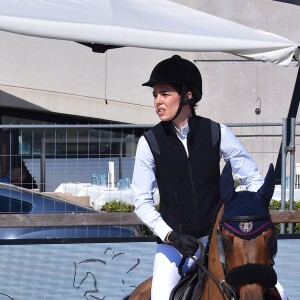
(158,99)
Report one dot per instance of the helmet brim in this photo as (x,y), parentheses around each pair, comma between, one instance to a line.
(154,81)
(148,83)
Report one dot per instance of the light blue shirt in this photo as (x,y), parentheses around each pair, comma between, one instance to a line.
(144,181)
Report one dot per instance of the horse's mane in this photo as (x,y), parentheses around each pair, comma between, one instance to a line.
(212,224)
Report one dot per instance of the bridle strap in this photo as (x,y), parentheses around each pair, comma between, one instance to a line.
(246,218)
(225,288)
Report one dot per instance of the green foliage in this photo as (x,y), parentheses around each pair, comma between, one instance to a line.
(297,228)
(276,205)
(297,205)
(117,206)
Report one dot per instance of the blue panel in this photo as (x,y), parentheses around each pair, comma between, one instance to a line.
(73,271)
(287,266)
(97,270)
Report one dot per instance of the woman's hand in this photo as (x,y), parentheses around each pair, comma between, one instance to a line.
(187,245)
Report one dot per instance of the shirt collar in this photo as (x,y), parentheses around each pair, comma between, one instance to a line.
(183,131)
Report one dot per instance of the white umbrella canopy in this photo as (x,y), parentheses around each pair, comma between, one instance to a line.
(155,24)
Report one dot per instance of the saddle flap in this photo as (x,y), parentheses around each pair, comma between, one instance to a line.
(185,288)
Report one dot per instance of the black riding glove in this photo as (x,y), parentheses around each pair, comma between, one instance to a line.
(187,245)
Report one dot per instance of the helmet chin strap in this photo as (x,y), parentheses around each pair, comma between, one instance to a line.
(182,102)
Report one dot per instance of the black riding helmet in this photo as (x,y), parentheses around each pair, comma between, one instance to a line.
(181,71)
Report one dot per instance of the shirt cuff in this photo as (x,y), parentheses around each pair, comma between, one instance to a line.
(162,229)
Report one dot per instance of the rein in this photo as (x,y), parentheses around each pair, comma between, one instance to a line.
(225,288)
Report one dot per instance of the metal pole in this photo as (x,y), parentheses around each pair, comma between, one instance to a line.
(43,164)
(283,170)
(292,170)
(120,156)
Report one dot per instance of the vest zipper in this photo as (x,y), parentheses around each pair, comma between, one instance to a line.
(193,188)
(180,224)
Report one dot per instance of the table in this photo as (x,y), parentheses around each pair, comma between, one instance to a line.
(99,195)
(277,193)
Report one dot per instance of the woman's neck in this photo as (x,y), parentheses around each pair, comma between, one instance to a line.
(183,117)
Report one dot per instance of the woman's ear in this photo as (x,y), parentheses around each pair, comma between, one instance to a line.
(188,95)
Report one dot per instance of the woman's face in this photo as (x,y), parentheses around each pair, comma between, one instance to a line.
(166,101)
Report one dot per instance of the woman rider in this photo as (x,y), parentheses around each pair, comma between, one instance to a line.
(181,156)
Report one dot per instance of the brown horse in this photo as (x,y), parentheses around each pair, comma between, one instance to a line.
(241,248)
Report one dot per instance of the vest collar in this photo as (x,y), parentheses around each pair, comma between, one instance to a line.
(192,124)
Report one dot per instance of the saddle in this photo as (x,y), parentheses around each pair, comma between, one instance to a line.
(187,286)
(191,281)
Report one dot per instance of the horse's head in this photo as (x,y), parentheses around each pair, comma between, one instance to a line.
(247,237)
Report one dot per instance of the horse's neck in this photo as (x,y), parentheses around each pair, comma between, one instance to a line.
(211,291)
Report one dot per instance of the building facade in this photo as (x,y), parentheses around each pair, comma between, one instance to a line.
(53,81)
(62,80)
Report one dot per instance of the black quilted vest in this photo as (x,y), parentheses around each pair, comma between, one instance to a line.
(188,186)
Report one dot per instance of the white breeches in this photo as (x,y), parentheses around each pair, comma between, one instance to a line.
(165,270)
